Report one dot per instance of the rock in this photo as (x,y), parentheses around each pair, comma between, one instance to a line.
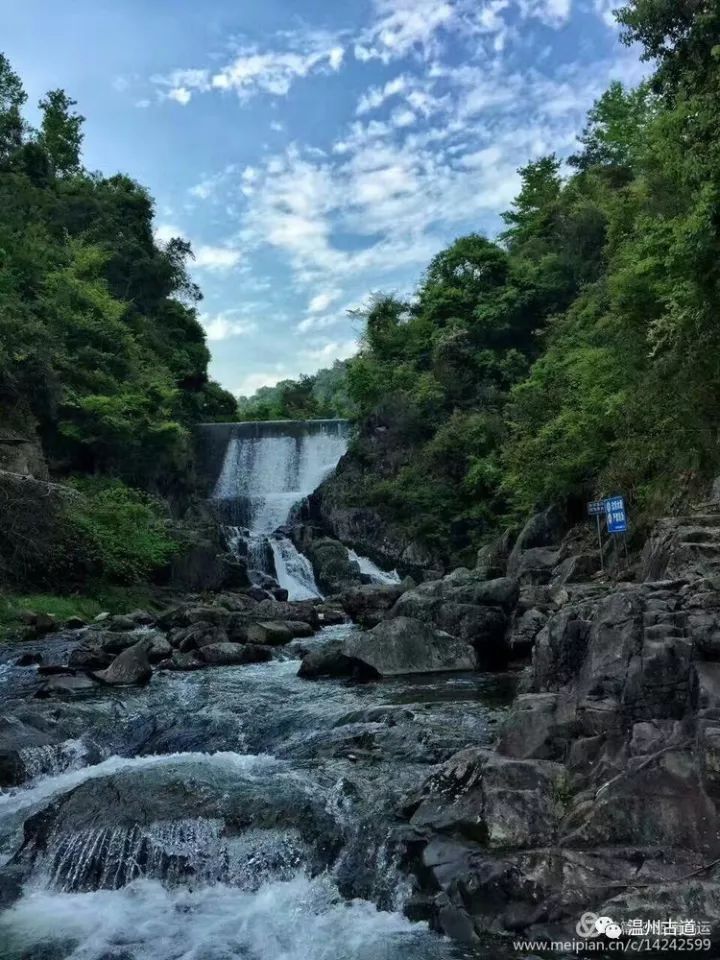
(273,633)
(368,604)
(39,624)
(330,615)
(404,646)
(280,593)
(327,660)
(502,592)
(158,648)
(295,610)
(536,565)
(67,685)
(90,656)
(298,628)
(535,729)
(229,654)
(257,593)
(496,802)
(102,617)
(182,661)
(75,623)
(11,885)
(525,630)
(28,659)
(541,530)
(129,668)
(141,618)
(333,568)
(196,635)
(121,623)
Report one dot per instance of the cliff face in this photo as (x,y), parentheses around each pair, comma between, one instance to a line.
(341,506)
(603,791)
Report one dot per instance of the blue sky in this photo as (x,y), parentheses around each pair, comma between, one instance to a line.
(315,151)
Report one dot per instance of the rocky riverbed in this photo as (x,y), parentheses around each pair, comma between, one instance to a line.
(428,770)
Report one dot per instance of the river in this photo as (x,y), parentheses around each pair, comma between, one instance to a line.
(235,812)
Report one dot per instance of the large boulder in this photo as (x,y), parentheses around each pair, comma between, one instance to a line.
(405,646)
(331,563)
(368,604)
(270,632)
(129,668)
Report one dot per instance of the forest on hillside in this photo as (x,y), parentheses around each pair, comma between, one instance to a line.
(102,359)
(579,353)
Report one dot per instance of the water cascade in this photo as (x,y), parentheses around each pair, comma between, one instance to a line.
(263,471)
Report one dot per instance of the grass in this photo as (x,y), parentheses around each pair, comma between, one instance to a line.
(88,606)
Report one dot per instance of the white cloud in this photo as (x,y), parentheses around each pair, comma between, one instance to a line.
(164,232)
(554,13)
(253,381)
(319,322)
(329,352)
(254,70)
(604,9)
(403,118)
(404,26)
(222,326)
(208,257)
(322,300)
(376,96)
(180,95)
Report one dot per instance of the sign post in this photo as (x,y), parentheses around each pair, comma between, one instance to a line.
(596,508)
(616,518)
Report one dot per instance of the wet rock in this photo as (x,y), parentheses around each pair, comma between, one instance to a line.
(183,661)
(230,654)
(75,623)
(330,615)
(404,646)
(196,635)
(326,661)
(129,668)
(11,885)
(90,656)
(333,568)
(494,801)
(28,659)
(274,610)
(368,604)
(64,686)
(273,633)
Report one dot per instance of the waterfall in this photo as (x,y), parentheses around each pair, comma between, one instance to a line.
(266,470)
(374,572)
(293,569)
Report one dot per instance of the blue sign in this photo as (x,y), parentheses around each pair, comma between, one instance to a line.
(615,515)
(596,508)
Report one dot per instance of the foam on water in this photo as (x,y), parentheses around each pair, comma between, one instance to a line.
(372,570)
(300,918)
(293,570)
(22,798)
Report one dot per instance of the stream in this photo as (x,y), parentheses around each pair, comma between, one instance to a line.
(235,812)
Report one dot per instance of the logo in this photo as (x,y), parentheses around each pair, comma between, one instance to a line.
(590,925)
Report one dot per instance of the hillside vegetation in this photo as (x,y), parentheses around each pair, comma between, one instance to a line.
(103,363)
(324,395)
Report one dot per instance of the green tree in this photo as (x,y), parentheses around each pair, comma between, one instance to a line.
(61,133)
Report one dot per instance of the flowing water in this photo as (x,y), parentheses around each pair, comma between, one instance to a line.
(237,813)
(264,471)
